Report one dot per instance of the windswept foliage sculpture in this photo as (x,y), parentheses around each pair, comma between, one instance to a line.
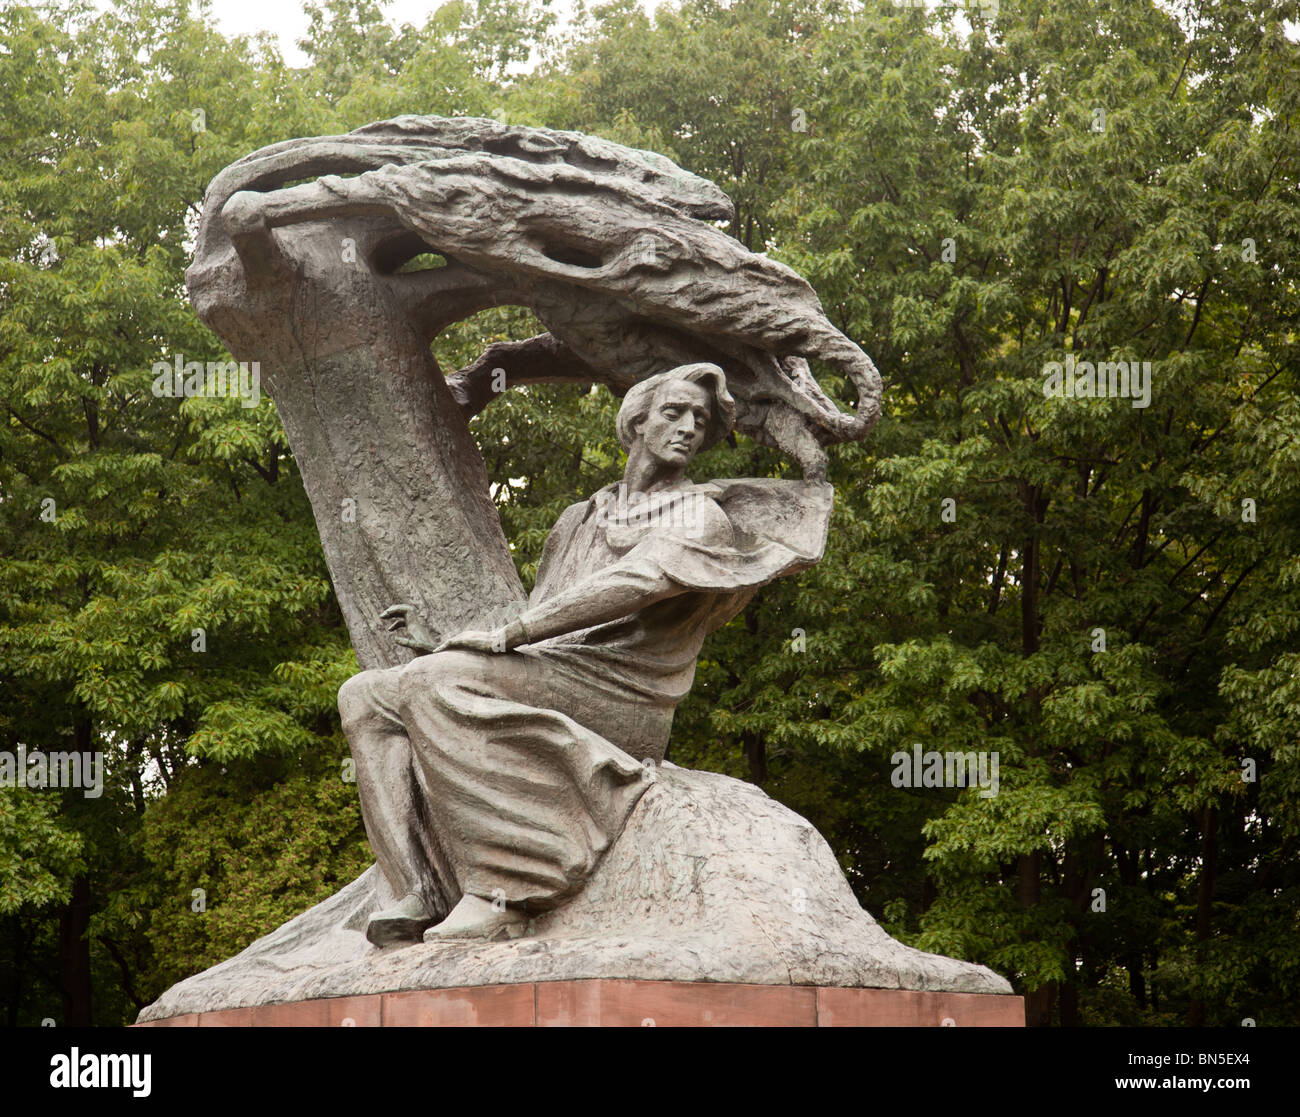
(612,248)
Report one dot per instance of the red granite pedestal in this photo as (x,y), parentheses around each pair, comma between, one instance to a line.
(619,1003)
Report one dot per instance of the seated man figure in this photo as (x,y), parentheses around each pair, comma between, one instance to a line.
(497,767)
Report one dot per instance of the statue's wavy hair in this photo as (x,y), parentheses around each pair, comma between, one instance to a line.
(640,398)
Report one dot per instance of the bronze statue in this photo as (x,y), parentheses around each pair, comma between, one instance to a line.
(510,774)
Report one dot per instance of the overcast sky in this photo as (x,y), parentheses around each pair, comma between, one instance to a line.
(286,20)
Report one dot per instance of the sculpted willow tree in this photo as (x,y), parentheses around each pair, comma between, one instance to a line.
(611,248)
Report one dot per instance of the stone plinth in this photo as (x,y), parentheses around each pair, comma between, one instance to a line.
(712,883)
(623,1004)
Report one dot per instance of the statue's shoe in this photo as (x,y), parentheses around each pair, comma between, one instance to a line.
(403,923)
(475,918)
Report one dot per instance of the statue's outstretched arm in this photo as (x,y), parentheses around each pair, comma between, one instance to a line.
(633,583)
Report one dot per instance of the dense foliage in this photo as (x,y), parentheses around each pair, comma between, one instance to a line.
(1105,595)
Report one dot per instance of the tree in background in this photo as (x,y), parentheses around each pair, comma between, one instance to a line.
(1098,591)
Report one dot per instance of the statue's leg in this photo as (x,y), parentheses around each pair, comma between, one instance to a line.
(532,796)
(394,804)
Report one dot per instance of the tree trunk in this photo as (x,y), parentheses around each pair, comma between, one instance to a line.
(74,955)
(756,756)
(1069,1004)
(1038,1002)
(1204,906)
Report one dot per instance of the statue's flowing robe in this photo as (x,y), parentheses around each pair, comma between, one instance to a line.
(528,763)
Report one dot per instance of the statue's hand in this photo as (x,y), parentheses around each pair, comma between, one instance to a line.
(417,634)
(477,641)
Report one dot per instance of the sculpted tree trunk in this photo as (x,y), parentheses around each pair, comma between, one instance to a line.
(397,484)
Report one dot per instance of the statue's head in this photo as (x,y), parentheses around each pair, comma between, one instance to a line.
(677,413)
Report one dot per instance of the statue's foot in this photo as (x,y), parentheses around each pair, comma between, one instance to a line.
(476,918)
(402,923)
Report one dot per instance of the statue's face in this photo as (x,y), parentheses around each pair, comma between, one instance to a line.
(678,422)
